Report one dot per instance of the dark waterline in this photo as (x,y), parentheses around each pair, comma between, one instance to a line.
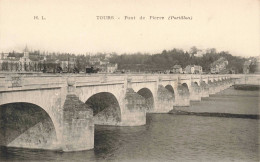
(168,137)
(223,115)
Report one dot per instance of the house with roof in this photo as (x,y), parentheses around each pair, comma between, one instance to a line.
(9,63)
(218,66)
(67,65)
(177,69)
(14,61)
(111,68)
(193,69)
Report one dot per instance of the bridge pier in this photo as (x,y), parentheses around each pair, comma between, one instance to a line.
(165,100)
(226,84)
(223,85)
(182,98)
(232,82)
(204,89)
(78,123)
(195,92)
(217,87)
(134,113)
(212,88)
(220,87)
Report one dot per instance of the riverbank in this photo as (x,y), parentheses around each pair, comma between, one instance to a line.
(247,87)
(207,114)
(230,103)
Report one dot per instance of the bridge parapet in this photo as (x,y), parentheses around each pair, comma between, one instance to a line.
(145,78)
(194,76)
(48,81)
(99,79)
(253,79)
(12,83)
(184,77)
(168,77)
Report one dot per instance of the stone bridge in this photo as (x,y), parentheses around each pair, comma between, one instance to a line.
(59,111)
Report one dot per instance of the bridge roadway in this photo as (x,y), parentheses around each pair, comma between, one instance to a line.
(66,99)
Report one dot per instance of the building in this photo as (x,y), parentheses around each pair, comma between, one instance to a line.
(104,61)
(218,66)
(67,65)
(197,69)
(108,68)
(193,69)
(9,63)
(14,61)
(111,68)
(188,69)
(200,53)
(177,69)
(94,61)
(25,60)
(252,65)
(246,67)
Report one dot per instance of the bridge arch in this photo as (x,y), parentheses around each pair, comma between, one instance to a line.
(203,83)
(185,86)
(27,125)
(85,93)
(170,89)
(183,89)
(196,85)
(210,82)
(49,100)
(106,108)
(149,98)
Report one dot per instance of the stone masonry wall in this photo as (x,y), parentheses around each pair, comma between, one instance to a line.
(78,128)
(165,100)
(183,97)
(109,116)
(135,113)
(26,125)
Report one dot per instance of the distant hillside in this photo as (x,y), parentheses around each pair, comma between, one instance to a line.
(167,59)
(145,62)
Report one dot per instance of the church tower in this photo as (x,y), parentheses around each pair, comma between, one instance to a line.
(26,52)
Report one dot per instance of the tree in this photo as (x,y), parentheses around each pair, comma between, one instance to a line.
(11,66)
(211,50)
(252,68)
(25,66)
(193,50)
(5,66)
(164,52)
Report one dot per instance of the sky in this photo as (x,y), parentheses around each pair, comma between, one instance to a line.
(72,26)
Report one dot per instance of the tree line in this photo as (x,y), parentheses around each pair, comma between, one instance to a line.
(143,62)
(167,59)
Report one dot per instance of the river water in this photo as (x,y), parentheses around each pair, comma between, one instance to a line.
(168,137)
